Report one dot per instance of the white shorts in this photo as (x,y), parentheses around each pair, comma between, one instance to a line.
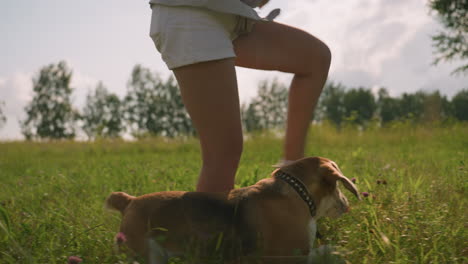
(186,35)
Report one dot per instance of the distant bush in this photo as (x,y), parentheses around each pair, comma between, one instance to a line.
(340,104)
(460,105)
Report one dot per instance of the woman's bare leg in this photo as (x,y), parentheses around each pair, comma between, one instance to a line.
(210,94)
(274,46)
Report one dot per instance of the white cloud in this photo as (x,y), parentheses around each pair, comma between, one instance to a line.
(15,91)
(361,34)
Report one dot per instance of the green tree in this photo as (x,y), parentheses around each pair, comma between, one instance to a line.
(331,105)
(388,107)
(141,101)
(359,104)
(452,44)
(50,114)
(102,114)
(418,107)
(268,109)
(250,118)
(460,105)
(435,107)
(3,118)
(155,107)
(412,106)
(176,120)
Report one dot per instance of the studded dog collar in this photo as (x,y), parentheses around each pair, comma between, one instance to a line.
(300,188)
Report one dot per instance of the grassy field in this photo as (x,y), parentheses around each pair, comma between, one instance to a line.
(52,194)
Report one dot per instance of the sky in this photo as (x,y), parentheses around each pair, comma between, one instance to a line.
(374,43)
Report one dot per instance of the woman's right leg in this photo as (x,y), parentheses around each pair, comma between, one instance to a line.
(210,94)
(275,46)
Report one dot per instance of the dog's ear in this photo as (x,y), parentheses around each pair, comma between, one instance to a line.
(332,172)
(118,201)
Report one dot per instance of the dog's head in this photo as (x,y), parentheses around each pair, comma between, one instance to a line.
(321,177)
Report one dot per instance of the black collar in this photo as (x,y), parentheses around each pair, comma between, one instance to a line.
(300,188)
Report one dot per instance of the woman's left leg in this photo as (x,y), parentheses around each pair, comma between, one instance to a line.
(275,46)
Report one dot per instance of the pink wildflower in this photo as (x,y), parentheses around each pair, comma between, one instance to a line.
(353,180)
(74,260)
(365,194)
(120,238)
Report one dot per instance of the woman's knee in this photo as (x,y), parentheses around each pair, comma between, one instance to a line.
(326,55)
(225,151)
(319,58)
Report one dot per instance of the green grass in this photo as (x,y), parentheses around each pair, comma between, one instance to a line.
(52,194)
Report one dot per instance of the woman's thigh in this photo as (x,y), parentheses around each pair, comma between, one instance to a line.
(210,94)
(275,46)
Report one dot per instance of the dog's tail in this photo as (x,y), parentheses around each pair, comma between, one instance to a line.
(118,201)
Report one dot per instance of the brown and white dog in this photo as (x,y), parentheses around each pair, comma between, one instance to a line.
(274,217)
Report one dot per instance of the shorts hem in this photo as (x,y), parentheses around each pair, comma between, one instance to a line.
(189,61)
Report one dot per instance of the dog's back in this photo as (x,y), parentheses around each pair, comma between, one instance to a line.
(214,223)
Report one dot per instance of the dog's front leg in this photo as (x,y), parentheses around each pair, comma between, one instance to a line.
(156,254)
(324,254)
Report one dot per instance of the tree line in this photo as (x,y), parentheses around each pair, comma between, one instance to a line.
(153,107)
(359,106)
